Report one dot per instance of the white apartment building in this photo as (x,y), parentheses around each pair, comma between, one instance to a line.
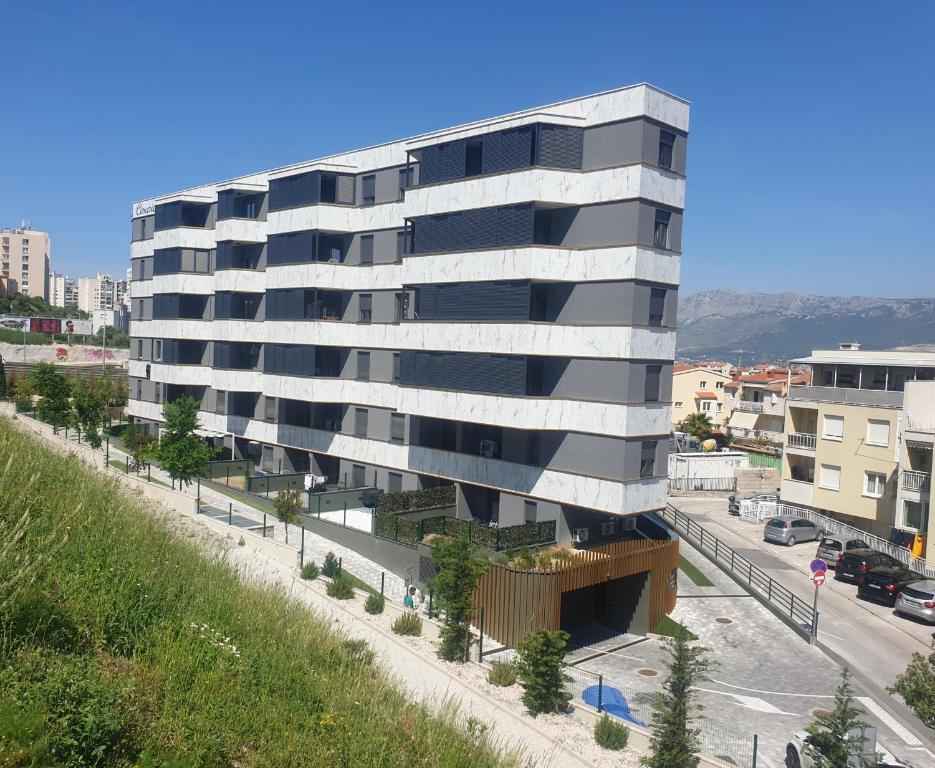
(491,305)
(63,291)
(101,293)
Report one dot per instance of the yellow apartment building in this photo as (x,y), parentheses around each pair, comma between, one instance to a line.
(699,390)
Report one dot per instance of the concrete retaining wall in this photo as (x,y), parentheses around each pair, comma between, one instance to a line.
(755,480)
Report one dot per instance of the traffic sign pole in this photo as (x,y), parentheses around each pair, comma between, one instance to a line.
(818,568)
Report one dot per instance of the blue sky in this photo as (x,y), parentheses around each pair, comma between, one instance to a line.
(810,155)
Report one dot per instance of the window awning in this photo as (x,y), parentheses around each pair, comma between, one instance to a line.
(210,433)
(742,420)
(704,394)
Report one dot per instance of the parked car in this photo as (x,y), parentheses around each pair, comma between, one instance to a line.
(917,599)
(854,563)
(883,583)
(796,757)
(788,530)
(831,546)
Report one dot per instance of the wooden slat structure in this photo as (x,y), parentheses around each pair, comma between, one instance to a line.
(516,601)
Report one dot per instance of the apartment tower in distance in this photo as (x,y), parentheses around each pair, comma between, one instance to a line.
(24,260)
(491,306)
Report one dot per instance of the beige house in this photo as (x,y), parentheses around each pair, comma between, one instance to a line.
(24,260)
(697,389)
(843,437)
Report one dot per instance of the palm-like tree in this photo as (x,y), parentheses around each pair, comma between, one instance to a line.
(697,424)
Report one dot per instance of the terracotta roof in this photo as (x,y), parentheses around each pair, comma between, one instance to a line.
(703,394)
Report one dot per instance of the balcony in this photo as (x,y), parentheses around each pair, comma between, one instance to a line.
(912,480)
(920,422)
(802,440)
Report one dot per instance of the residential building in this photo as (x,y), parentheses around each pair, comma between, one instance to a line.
(24,260)
(842,435)
(97,293)
(118,318)
(756,401)
(916,446)
(62,290)
(697,389)
(490,305)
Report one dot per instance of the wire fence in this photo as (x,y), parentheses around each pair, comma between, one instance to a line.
(716,740)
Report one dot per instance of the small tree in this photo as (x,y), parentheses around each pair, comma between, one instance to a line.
(674,740)
(828,744)
(539,669)
(90,404)
(458,569)
(182,453)
(331,567)
(697,424)
(287,504)
(25,390)
(917,686)
(55,392)
(141,446)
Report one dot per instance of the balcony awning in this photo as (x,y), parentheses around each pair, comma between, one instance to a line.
(704,394)
(742,420)
(210,433)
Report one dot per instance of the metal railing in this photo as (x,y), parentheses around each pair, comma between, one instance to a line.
(746,405)
(802,440)
(830,525)
(787,604)
(716,740)
(702,483)
(920,422)
(916,481)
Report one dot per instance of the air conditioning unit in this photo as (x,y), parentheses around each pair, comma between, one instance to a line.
(607,528)
(629,523)
(489,448)
(579,535)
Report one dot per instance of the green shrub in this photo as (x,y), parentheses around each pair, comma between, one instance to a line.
(330,568)
(539,668)
(411,501)
(310,571)
(408,624)
(359,652)
(340,589)
(610,734)
(502,673)
(374,604)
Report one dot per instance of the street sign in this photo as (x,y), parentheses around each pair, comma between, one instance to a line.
(819,578)
(818,566)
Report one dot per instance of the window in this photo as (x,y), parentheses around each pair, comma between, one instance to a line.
(915,515)
(703,384)
(651,390)
(830,478)
(719,385)
(266,458)
(366,307)
(358,476)
(648,458)
(531,510)
(397,427)
(661,232)
(705,406)
(394,482)
(405,181)
(874,484)
(878,432)
(366,249)
(833,428)
(400,245)
(473,157)
(657,306)
(269,408)
(396,367)
(363,366)
(157,349)
(360,422)
(678,403)
(220,402)
(368,192)
(666,143)
(142,229)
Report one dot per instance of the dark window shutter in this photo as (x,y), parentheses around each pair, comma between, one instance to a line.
(451,158)
(560,146)
(428,166)
(366,249)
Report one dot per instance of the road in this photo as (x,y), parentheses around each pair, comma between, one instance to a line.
(869,638)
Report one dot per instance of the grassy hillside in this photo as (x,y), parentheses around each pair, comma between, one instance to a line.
(121,645)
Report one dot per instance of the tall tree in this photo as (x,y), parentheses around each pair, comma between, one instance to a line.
(917,686)
(181,452)
(458,568)
(697,424)
(830,743)
(287,504)
(674,739)
(55,392)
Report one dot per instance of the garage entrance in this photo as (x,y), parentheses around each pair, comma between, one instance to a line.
(614,604)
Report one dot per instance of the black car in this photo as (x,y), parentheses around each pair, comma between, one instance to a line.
(883,583)
(854,563)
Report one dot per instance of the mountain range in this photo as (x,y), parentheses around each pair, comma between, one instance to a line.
(774,327)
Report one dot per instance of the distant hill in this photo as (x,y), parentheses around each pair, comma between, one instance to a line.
(773,327)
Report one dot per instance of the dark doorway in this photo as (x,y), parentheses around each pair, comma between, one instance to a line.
(614,604)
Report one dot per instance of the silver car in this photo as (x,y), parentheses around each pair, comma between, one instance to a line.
(918,600)
(831,546)
(790,530)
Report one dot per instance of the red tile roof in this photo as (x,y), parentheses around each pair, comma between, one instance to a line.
(703,394)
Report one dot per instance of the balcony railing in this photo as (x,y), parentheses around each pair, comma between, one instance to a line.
(748,405)
(920,422)
(916,481)
(801,440)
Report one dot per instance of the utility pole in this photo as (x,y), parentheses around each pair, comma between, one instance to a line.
(104,349)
